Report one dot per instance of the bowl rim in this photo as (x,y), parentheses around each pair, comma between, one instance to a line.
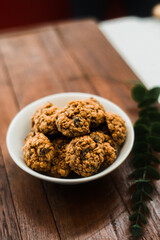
(63,180)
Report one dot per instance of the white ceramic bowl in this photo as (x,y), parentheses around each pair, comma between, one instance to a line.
(21,124)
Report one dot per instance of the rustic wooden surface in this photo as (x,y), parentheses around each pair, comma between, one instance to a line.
(67,57)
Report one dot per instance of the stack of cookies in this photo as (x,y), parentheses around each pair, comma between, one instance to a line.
(82,138)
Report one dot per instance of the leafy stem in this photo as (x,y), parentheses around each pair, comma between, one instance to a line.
(147,141)
(141,198)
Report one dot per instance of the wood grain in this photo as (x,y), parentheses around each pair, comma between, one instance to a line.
(28,195)
(9,228)
(69,57)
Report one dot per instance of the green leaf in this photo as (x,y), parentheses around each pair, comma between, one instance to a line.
(145,209)
(140,186)
(142,218)
(138,173)
(146,186)
(155,142)
(147,102)
(138,161)
(154,92)
(136,231)
(134,216)
(141,130)
(140,137)
(141,159)
(149,110)
(147,195)
(142,120)
(138,92)
(150,157)
(152,172)
(155,128)
(150,97)
(136,205)
(140,147)
(137,196)
(154,116)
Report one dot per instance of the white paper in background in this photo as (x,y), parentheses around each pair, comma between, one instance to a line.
(138,42)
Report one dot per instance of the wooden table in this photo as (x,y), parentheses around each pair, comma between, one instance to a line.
(37,62)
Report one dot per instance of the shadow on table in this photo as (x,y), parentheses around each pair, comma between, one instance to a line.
(85,208)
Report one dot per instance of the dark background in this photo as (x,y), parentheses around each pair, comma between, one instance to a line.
(26,12)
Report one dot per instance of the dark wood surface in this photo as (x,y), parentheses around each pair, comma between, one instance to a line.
(67,57)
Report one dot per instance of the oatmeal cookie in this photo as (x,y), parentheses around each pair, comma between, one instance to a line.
(59,167)
(109,145)
(44,119)
(116,126)
(38,152)
(110,155)
(79,116)
(110,140)
(84,156)
(101,137)
(98,137)
(73,120)
(96,112)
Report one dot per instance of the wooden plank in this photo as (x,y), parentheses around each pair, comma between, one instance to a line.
(63,65)
(47,48)
(82,210)
(9,227)
(84,39)
(110,75)
(33,28)
(19,31)
(106,233)
(29,69)
(33,212)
